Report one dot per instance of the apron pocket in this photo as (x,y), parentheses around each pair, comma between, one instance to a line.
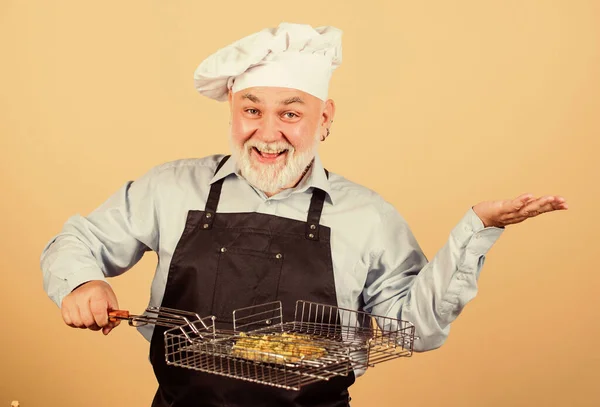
(244,278)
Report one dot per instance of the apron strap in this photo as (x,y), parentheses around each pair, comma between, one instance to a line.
(222,163)
(213,198)
(314,214)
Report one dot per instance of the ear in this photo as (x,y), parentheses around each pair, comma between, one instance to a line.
(230,98)
(328,113)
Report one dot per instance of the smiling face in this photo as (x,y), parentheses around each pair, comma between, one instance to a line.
(275,133)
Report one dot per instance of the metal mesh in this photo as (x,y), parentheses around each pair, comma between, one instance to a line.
(322,342)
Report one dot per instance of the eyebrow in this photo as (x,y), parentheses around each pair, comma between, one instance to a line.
(251,97)
(288,101)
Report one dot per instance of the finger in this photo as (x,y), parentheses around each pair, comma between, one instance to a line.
(515,207)
(552,206)
(113,304)
(99,309)
(522,200)
(66,316)
(87,317)
(517,218)
(110,326)
(534,208)
(76,317)
(560,203)
(524,196)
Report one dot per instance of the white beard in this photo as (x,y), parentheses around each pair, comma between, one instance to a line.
(272,178)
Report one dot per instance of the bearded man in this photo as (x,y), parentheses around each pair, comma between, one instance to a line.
(269,223)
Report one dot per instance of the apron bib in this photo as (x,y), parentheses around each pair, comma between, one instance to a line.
(226,261)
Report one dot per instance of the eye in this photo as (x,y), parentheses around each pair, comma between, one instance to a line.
(290,115)
(252,111)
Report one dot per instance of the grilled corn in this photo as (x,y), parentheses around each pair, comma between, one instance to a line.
(277,348)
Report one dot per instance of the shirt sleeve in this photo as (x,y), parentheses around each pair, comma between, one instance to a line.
(106,243)
(402,283)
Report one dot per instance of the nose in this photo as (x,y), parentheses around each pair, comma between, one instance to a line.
(269,129)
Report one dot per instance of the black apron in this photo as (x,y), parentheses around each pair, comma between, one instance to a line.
(226,261)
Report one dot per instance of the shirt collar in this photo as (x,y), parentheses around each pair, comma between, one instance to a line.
(229,168)
(315,177)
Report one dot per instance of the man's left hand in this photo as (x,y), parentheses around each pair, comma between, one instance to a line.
(511,211)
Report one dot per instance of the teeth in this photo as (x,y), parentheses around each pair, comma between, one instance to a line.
(271,151)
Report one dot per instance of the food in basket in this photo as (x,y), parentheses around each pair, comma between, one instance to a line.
(280,347)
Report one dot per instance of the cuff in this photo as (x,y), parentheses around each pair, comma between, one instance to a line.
(472,235)
(83,276)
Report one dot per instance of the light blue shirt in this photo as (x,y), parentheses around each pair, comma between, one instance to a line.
(378,265)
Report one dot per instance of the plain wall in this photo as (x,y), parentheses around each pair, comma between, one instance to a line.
(440,105)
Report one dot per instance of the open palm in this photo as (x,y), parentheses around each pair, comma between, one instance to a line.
(511,211)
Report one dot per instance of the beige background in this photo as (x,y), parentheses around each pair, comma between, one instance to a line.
(440,105)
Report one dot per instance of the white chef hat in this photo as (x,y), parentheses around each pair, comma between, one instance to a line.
(291,56)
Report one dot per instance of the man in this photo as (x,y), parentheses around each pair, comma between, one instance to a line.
(269,223)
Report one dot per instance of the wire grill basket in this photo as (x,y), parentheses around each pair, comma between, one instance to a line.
(322,342)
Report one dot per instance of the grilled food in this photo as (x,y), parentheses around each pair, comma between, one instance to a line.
(277,348)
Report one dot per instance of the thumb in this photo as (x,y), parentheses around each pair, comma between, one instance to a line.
(521,201)
(111,299)
(112,304)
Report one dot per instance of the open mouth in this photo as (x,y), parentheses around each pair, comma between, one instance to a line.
(268,156)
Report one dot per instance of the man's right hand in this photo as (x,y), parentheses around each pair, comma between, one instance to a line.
(87,307)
